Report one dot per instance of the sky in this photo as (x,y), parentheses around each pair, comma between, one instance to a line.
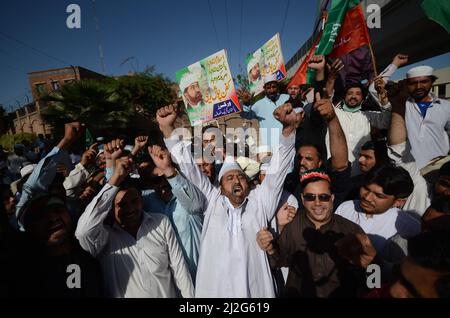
(169,34)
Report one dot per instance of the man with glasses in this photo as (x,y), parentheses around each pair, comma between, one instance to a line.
(326,254)
(311,156)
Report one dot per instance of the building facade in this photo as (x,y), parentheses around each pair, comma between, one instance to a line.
(441,86)
(28,118)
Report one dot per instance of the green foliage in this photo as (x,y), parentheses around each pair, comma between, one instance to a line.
(5,120)
(242,82)
(145,91)
(8,141)
(91,102)
(108,105)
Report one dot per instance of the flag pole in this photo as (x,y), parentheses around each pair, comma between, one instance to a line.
(373,59)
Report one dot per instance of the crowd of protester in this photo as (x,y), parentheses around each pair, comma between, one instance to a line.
(341,187)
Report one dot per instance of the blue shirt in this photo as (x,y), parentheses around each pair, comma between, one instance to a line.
(42,177)
(262,110)
(423,106)
(185,212)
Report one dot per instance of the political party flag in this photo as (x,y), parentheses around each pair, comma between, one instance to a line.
(352,46)
(300,76)
(438,11)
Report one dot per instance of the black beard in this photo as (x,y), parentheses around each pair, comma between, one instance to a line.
(273,97)
(419,96)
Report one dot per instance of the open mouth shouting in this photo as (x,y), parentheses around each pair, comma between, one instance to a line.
(237,190)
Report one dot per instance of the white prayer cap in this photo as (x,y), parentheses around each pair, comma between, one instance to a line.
(128,148)
(229,164)
(420,71)
(99,153)
(27,170)
(187,80)
(251,64)
(263,149)
(264,167)
(195,68)
(270,78)
(249,166)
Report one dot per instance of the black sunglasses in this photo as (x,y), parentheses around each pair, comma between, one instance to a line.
(323,197)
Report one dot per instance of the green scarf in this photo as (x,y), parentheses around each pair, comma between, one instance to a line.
(350,109)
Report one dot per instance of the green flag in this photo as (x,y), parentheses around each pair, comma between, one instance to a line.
(438,11)
(333,25)
(331,30)
(89,140)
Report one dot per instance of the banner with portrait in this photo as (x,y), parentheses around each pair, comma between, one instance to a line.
(266,60)
(208,90)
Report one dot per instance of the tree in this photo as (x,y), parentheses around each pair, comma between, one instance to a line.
(5,121)
(92,102)
(145,92)
(112,106)
(242,82)
(7,141)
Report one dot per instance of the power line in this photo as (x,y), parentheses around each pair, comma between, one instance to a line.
(33,48)
(285,18)
(214,24)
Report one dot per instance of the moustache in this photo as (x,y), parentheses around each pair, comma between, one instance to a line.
(237,188)
(368,203)
(272,97)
